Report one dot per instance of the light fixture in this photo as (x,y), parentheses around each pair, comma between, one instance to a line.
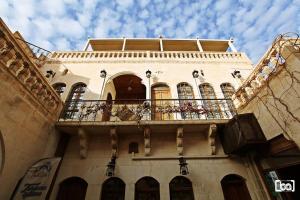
(236,74)
(103,74)
(50,73)
(148,73)
(183,166)
(195,73)
(201,72)
(110,171)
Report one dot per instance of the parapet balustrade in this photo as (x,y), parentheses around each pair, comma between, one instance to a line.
(143,109)
(15,61)
(270,64)
(91,55)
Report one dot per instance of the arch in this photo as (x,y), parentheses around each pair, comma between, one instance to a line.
(59,88)
(160,93)
(210,101)
(228,90)
(147,188)
(186,98)
(120,74)
(129,87)
(2,153)
(234,187)
(181,188)
(113,189)
(74,100)
(73,188)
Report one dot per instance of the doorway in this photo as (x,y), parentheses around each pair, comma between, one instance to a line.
(234,188)
(73,188)
(161,100)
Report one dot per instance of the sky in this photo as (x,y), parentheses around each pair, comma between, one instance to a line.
(67,24)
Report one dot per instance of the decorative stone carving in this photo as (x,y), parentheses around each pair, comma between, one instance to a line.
(147,145)
(83,143)
(179,141)
(211,138)
(114,141)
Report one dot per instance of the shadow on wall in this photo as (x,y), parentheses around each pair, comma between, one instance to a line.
(70,80)
(2,153)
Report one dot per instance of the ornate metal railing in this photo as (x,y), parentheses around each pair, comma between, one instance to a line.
(143,109)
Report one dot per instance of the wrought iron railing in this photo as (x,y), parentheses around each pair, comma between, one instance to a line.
(143,109)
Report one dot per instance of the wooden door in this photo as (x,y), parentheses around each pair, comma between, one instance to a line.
(73,188)
(235,188)
(161,96)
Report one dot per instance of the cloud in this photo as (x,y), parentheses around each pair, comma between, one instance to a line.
(67,24)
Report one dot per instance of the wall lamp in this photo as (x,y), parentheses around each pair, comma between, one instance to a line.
(110,171)
(183,166)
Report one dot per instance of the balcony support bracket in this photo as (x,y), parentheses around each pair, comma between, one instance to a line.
(147,134)
(114,141)
(211,138)
(83,143)
(179,140)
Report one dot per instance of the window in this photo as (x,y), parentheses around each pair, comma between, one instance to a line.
(133,147)
(186,99)
(113,189)
(147,188)
(210,101)
(228,90)
(181,188)
(72,188)
(74,101)
(59,88)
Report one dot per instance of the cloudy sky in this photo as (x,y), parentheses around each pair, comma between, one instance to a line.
(66,24)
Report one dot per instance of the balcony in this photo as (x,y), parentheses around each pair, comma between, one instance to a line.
(161,116)
(140,110)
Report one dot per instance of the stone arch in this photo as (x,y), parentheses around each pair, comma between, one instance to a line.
(113,188)
(181,188)
(72,188)
(147,188)
(234,187)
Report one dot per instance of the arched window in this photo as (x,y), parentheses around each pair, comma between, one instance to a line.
(59,88)
(228,90)
(133,147)
(113,189)
(73,188)
(186,99)
(147,188)
(234,187)
(210,100)
(74,101)
(181,188)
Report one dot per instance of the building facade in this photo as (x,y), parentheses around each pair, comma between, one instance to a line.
(142,119)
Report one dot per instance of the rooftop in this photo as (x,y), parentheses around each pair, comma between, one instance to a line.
(158,44)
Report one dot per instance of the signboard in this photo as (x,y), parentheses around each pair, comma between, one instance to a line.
(37,180)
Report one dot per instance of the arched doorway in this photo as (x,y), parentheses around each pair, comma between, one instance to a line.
(181,188)
(129,87)
(234,188)
(107,110)
(73,188)
(147,188)
(159,93)
(113,189)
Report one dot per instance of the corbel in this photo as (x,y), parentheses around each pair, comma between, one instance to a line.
(211,138)
(147,145)
(179,140)
(83,142)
